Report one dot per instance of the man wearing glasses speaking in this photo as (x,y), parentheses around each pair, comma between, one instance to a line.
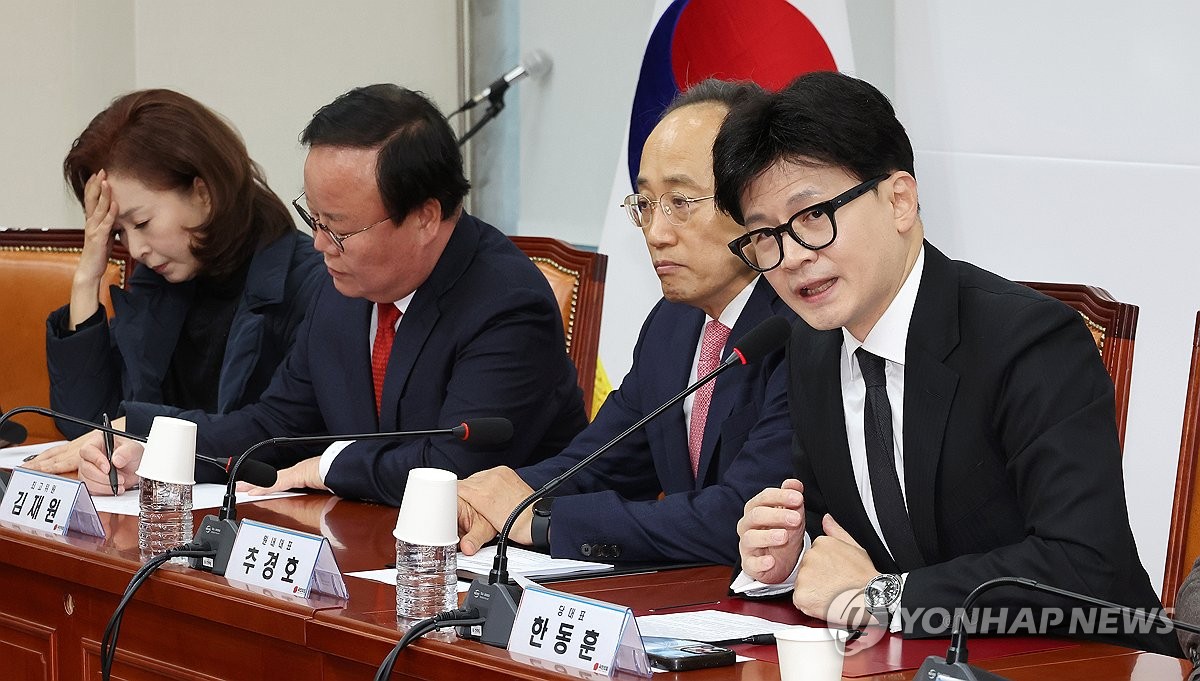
(430,317)
(951,426)
(724,444)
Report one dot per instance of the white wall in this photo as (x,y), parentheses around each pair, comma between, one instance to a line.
(265,65)
(63,61)
(1057,142)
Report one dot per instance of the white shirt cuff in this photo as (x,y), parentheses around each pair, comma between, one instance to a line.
(329,455)
(747,585)
(895,624)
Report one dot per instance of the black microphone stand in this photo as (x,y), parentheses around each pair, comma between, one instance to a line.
(954,666)
(496,599)
(495,106)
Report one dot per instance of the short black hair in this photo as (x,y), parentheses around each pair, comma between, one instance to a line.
(824,116)
(731,93)
(418,157)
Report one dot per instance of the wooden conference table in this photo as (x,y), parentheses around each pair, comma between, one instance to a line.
(58,593)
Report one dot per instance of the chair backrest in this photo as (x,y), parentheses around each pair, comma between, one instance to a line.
(36,268)
(1112,324)
(1183,545)
(577,278)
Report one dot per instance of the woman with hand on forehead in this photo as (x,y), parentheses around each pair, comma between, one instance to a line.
(224,276)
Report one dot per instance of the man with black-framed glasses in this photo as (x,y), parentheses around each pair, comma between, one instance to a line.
(707,456)
(951,426)
(429,317)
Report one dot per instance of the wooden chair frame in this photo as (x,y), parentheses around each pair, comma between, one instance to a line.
(1113,325)
(1183,545)
(581,321)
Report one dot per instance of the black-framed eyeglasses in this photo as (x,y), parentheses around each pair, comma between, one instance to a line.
(676,206)
(315,224)
(813,228)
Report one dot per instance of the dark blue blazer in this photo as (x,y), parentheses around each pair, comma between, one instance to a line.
(609,510)
(482,337)
(118,368)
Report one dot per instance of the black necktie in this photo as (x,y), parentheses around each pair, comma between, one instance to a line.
(881,466)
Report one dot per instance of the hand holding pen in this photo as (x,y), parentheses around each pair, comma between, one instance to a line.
(108,452)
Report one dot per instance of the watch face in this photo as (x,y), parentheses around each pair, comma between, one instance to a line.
(883,591)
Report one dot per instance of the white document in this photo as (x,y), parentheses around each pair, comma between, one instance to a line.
(706,625)
(527,564)
(11,457)
(204,495)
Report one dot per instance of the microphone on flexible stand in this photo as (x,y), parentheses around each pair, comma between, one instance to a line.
(257,473)
(954,666)
(218,532)
(11,433)
(496,599)
(534,64)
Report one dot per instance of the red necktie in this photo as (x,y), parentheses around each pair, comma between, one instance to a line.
(715,336)
(385,333)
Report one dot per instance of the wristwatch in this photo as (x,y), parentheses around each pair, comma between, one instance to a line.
(883,597)
(540,528)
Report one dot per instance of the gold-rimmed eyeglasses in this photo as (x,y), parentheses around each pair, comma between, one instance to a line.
(676,207)
(315,224)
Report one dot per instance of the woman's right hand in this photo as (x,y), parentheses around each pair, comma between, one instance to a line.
(100,213)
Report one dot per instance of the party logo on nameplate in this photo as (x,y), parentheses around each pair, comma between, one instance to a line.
(577,632)
(51,503)
(287,561)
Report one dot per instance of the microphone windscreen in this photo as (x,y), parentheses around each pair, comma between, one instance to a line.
(536,63)
(763,339)
(12,433)
(490,430)
(257,473)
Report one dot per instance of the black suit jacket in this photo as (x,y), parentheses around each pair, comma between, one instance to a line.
(1012,466)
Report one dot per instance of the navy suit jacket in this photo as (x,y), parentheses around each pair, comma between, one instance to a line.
(482,337)
(609,510)
(1012,466)
(118,368)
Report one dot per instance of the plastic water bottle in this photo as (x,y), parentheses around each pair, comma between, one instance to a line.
(165,518)
(426,580)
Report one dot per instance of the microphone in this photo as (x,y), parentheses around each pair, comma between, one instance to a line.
(218,532)
(496,599)
(12,433)
(954,666)
(534,64)
(258,473)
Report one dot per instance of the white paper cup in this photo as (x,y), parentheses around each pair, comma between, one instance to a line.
(170,453)
(429,510)
(810,653)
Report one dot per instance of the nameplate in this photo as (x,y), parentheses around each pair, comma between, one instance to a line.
(50,503)
(577,632)
(286,561)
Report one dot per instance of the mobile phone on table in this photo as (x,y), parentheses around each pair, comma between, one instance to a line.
(678,655)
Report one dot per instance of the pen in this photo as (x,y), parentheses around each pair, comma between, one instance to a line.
(756,639)
(29,458)
(108,451)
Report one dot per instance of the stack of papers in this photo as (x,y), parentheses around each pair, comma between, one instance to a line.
(527,564)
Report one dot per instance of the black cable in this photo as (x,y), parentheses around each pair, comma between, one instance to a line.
(442,620)
(108,643)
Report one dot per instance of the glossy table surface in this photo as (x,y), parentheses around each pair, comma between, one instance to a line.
(350,637)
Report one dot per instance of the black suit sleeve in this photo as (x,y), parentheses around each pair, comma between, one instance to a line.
(1052,421)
